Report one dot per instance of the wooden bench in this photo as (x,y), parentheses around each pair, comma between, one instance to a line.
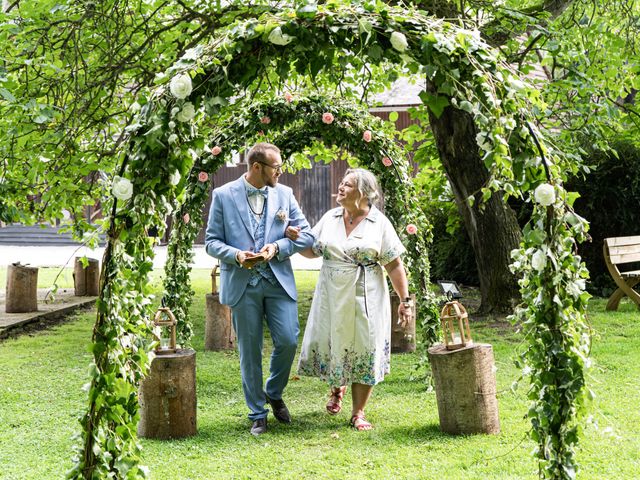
(620,251)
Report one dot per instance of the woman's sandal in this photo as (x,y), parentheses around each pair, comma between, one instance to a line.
(360,423)
(334,405)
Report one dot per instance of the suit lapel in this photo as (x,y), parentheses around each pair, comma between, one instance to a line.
(239,195)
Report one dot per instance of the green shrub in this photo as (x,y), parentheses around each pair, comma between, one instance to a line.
(609,199)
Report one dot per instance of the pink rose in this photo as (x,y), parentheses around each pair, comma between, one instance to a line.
(288,97)
(412,229)
(265,120)
(366,136)
(327,118)
(186,218)
(215,151)
(386,161)
(203,176)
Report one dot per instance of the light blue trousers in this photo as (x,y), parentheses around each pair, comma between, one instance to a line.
(281,312)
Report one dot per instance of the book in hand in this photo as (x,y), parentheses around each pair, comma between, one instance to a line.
(252,259)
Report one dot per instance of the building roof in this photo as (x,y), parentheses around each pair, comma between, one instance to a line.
(403,93)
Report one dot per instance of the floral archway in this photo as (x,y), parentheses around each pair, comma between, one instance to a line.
(178,116)
(294,123)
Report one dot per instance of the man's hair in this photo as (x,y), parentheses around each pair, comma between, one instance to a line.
(260,152)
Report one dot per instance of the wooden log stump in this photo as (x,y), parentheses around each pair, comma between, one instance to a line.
(403,339)
(168,397)
(86,281)
(22,289)
(465,386)
(218,328)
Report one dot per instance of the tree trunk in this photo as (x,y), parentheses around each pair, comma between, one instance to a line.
(86,281)
(403,339)
(22,289)
(218,328)
(168,404)
(492,225)
(465,386)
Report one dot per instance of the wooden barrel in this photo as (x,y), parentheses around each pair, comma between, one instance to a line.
(465,389)
(22,289)
(403,339)
(168,397)
(86,281)
(218,328)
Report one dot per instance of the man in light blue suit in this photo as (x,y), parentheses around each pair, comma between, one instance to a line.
(248,217)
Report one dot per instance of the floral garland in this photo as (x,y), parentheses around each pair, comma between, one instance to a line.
(553,318)
(297,122)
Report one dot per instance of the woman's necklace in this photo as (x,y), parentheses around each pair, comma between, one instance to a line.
(355,217)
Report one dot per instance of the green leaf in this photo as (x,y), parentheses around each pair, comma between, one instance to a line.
(466,106)
(7,95)
(393,116)
(375,52)
(307,11)
(436,103)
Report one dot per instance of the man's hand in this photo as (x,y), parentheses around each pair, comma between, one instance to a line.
(270,249)
(244,259)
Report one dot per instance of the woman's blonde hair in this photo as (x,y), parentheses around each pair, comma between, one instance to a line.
(366,184)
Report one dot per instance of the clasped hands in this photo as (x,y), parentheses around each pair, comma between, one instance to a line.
(248,259)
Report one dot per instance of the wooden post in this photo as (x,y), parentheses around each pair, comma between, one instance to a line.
(22,289)
(86,280)
(403,339)
(168,397)
(465,389)
(218,328)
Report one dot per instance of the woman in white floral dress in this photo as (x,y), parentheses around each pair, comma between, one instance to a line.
(347,337)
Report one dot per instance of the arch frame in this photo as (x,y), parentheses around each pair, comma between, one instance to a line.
(168,136)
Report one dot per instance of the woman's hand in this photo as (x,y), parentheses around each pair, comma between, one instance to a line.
(292,233)
(405,313)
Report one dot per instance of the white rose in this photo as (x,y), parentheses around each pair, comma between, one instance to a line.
(187,113)
(181,86)
(277,37)
(122,188)
(172,124)
(539,260)
(174,179)
(173,138)
(545,194)
(399,41)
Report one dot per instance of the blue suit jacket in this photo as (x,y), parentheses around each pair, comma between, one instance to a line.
(230,230)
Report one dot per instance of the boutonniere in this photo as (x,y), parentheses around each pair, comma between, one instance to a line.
(281,216)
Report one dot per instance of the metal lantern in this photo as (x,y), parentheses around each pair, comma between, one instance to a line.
(164,328)
(455,326)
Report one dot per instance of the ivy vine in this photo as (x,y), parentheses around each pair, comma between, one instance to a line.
(295,123)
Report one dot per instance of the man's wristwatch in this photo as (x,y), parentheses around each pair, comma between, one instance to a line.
(407,302)
(277,249)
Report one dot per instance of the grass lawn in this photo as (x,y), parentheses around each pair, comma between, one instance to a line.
(42,374)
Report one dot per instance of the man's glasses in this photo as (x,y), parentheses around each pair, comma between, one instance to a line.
(277,168)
